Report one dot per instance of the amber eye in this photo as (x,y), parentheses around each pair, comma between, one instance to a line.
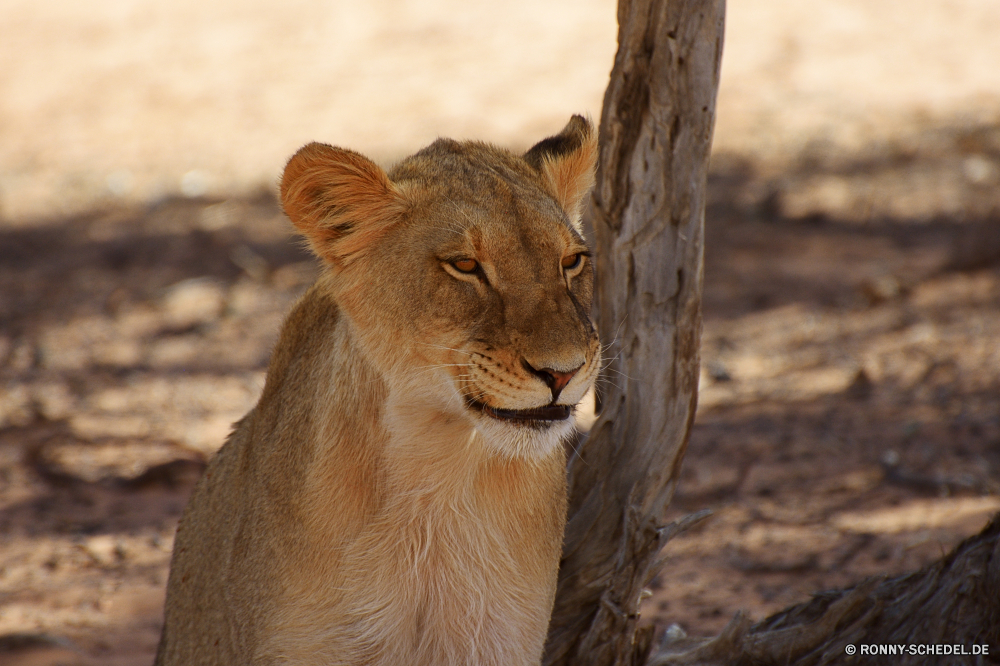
(571,261)
(465,265)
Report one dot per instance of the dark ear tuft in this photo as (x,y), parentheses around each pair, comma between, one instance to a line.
(566,163)
(568,140)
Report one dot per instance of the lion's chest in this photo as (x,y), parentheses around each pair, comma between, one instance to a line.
(432,584)
(450,592)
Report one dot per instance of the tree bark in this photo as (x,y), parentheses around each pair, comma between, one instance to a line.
(647,211)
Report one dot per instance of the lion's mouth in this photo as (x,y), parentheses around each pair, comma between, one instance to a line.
(534,415)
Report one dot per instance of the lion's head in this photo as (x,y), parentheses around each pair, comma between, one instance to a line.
(464,275)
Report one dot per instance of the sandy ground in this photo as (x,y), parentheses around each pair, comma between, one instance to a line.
(124,98)
(850,406)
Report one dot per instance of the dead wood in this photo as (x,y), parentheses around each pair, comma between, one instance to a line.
(954,601)
(648,213)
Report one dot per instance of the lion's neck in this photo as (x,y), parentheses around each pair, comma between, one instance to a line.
(403,437)
(429,452)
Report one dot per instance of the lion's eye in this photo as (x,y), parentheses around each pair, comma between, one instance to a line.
(572,261)
(465,265)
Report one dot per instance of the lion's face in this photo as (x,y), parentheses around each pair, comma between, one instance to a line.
(466,279)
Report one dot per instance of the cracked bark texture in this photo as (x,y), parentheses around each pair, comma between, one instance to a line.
(647,212)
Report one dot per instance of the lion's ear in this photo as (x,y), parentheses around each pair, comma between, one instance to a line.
(339,200)
(566,162)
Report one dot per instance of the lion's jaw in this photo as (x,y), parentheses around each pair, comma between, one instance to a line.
(432,408)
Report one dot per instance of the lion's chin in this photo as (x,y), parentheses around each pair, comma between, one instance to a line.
(529,438)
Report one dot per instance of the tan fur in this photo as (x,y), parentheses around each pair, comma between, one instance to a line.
(365,511)
(571,177)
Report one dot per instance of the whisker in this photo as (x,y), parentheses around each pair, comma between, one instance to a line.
(577,452)
(604,380)
(609,361)
(460,211)
(614,339)
(460,351)
(454,231)
(618,372)
(619,329)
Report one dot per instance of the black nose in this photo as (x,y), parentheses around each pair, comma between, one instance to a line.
(554,379)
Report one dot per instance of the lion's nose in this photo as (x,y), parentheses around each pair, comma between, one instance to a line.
(554,379)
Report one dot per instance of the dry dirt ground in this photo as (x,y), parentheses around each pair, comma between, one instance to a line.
(849,420)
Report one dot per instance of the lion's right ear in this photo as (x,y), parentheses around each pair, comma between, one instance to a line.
(566,163)
(339,200)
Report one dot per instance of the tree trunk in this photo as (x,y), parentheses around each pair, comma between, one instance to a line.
(648,212)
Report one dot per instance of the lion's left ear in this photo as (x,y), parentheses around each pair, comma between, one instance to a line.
(566,163)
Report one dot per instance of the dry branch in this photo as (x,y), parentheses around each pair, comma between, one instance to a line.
(954,601)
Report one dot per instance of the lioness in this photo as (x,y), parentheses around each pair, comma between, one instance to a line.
(397,496)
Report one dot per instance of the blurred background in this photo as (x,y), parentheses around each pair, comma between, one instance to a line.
(849,419)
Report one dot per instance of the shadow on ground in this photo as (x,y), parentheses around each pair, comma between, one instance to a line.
(850,405)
